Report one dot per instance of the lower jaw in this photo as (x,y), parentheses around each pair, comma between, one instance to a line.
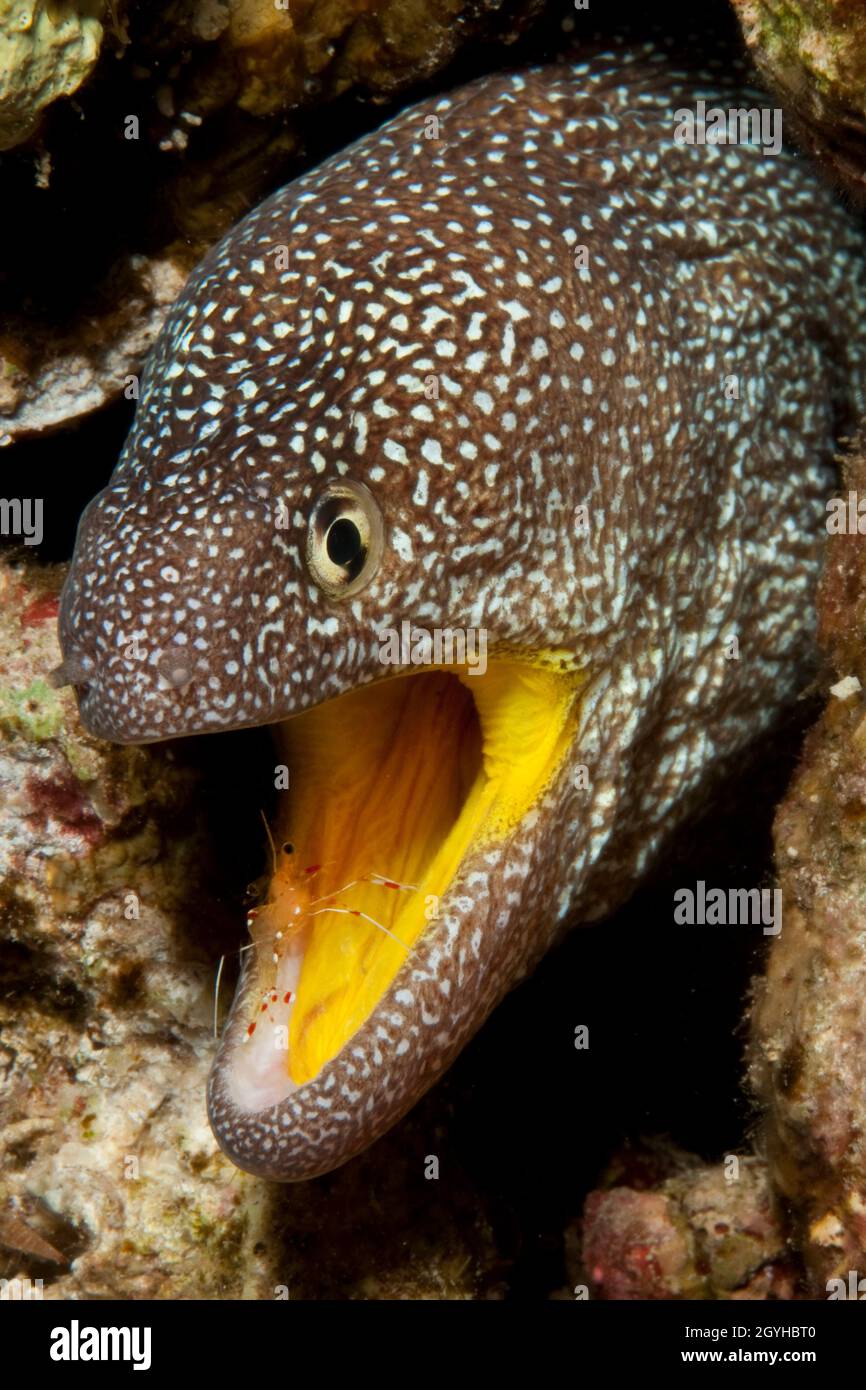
(392,788)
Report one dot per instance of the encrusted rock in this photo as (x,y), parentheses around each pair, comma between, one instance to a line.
(702,1233)
(50,376)
(46,52)
(812,54)
(809,1020)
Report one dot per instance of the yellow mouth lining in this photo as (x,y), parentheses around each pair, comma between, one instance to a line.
(401,779)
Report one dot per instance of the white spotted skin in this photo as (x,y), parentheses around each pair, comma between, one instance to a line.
(558,387)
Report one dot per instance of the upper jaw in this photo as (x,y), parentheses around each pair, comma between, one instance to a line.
(146,706)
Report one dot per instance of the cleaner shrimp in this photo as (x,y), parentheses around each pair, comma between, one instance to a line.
(285,918)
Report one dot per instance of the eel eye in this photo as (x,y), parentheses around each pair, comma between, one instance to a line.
(344,538)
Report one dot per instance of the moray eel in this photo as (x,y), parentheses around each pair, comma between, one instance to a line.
(518,368)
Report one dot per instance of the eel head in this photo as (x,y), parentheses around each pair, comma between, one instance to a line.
(425,728)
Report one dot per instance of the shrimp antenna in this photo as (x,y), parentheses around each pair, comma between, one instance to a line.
(355,912)
(377,879)
(216,996)
(270,841)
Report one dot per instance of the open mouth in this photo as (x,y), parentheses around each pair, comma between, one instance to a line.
(391,789)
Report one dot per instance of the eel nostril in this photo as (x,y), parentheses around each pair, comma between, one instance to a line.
(74,669)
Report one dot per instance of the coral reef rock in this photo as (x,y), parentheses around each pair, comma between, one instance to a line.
(701,1233)
(809,1019)
(46,52)
(812,54)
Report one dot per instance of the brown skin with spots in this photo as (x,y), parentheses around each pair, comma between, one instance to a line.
(452,251)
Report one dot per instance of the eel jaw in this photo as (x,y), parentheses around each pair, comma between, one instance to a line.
(408,800)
